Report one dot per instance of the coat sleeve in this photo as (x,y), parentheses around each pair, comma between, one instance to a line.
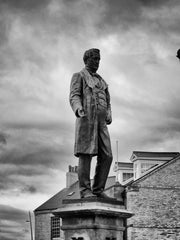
(109,113)
(75,96)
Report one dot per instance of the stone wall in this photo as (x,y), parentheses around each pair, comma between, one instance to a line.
(43,226)
(155,200)
(153,234)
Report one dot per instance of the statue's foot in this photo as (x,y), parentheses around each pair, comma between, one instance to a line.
(87,194)
(104,196)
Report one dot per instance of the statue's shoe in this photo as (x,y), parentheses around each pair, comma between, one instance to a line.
(88,194)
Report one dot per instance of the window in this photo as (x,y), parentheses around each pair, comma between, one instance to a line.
(55,227)
(146,166)
(126,176)
(135,171)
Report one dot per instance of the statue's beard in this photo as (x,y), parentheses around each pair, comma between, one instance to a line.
(92,66)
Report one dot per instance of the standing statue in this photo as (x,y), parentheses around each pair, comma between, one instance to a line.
(90,101)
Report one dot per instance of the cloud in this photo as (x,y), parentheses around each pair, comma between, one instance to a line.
(120,15)
(2,138)
(25,5)
(33,155)
(30,189)
(13,223)
(11,213)
(154,3)
(20,168)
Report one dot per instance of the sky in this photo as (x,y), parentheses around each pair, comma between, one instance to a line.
(41,46)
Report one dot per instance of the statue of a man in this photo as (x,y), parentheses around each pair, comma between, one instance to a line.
(90,101)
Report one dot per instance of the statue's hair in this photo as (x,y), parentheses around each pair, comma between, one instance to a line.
(89,53)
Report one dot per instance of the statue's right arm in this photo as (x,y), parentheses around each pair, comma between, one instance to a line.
(75,96)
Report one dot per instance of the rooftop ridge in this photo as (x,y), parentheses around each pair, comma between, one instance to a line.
(156,152)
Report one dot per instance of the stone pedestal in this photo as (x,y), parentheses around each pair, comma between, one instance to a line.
(93,219)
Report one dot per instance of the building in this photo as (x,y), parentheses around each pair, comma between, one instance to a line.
(155,200)
(145,161)
(124,171)
(141,163)
(152,193)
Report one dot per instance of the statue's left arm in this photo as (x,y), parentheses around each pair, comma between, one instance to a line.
(109,113)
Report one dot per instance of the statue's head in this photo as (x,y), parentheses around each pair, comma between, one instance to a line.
(91,59)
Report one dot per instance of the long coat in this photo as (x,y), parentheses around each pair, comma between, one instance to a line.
(83,96)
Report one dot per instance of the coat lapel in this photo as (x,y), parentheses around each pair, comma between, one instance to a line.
(89,79)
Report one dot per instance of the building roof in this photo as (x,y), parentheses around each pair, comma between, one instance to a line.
(142,154)
(122,165)
(150,172)
(67,193)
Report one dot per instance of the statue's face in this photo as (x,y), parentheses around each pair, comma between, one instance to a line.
(93,62)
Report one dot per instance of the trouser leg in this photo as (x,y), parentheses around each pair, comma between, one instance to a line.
(84,173)
(101,173)
(104,159)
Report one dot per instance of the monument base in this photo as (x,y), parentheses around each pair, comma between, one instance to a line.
(93,219)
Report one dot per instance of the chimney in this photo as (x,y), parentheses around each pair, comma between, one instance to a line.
(71,176)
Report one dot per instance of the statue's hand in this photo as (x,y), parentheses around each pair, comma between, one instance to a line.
(109,118)
(80,113)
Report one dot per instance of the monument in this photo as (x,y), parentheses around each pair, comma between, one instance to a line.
(95,216)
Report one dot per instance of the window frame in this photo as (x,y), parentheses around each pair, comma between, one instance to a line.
(55,228)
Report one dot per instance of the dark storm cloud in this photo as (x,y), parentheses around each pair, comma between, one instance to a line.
(13,223)
(33,152)
(118,17)
(62,17)
(13,175)
(56,16)
(155,3)
(39,156)
(11,213)
(130,10)
(60,126)
(28,5)
(30,189)
(120,13)
(152,120)
(34,157)
(2,138)
(49,21)
(3,31)
(16,16)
